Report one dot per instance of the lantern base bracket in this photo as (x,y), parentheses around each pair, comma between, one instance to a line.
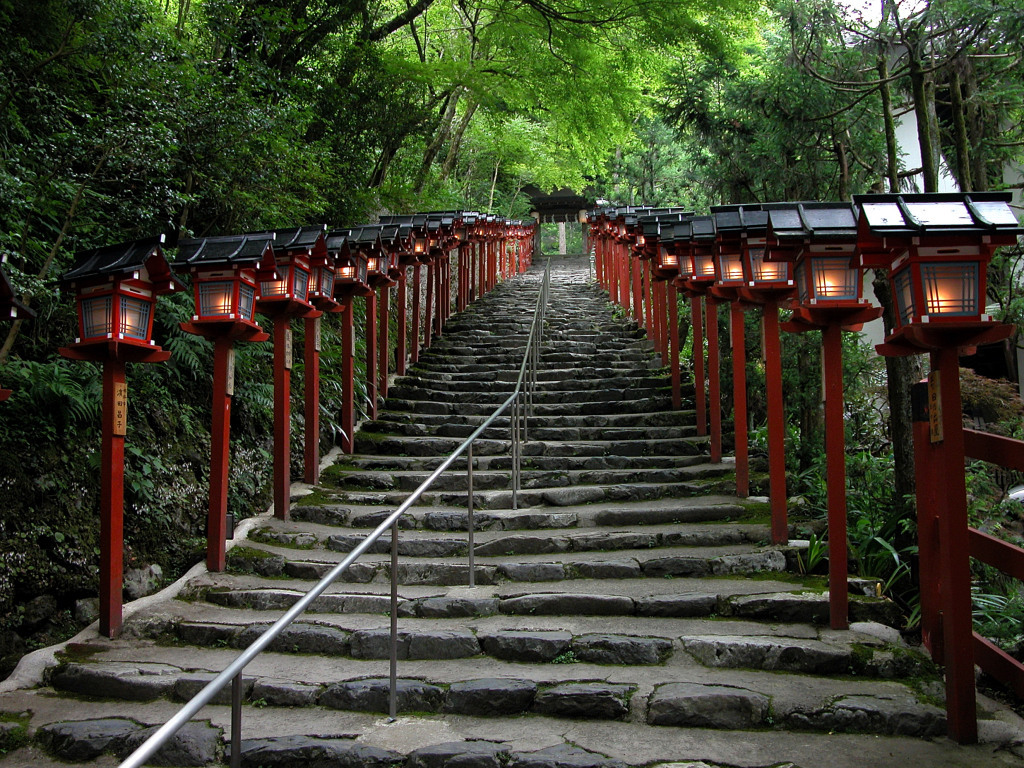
(238,330)
(918,339)
(125,352)
(850,318)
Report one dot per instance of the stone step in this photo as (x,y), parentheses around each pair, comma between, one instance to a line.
(707,479)
(628,599)
(390,445)
(441,393)
(558,377)
(660,512)
(504,463)
(542,419)
(639,405)
(686,469)
(665,562)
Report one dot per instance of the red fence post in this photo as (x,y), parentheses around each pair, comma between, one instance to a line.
(739,388)
(282,413)
(111,542)
(384,342)
(673,345)
(348,353)
(926,465)
(371,353)
(714,386)
(220,454)
(414,353)
(402,329)
(697,343)
(776,422)
(835,457)
(311,399)
(957,625)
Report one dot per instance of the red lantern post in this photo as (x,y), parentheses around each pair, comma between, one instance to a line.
(116,289)
(224,272)
(282,300)
(819,238)
(937,247)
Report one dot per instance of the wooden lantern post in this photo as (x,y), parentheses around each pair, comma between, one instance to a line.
(116,289)
(225,271)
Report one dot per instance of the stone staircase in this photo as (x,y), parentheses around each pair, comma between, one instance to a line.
(629,612)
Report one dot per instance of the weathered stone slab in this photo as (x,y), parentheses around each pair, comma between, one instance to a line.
(512,645)
(188,685)
(346,542)
(490,697)
(535,520)
(607,569)
(376,644)
(432,548)
(563,756)
(592,701)
(371,695)
(677,606)
(456,607)
(621,649)
(768,653)
(81,740)
(309,751)
(770,560)
(453,644)
(195,744)
(206,635)
(324,514)
(693,705)
(568,604)
(373,519)
(117,680)
(532,571)
(458,754)
(257,599)
(300,638)
(594,542)
(891,714)
(357,573)
(524,545)
(284,693)
(443,574)
(573,495)
(457,521)
(662,567)
(781,606)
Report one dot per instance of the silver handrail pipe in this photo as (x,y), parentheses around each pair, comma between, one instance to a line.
(233,672)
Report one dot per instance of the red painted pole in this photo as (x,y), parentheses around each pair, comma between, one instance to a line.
(714,386)
(428,310)
(650,307)
(637,310)
(348,353)
(673,346)
(957,626)
(440,294)
(282,414)
(371,353)
(481,269)
(776,422)
(835,473)
(927,481)
(384,342)
(660,310)
(402,331)
(739,389)
(220,455)
(414,355)
(115,403)
(624,271)
(311,456)
(700,403)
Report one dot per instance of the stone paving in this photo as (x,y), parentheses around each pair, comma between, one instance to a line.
(628,613)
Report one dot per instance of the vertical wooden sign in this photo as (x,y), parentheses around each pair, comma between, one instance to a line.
(120,409)
(935,406)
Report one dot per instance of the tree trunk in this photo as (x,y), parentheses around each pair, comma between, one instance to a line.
(892,167)
(961,141)
(844,169)
(924,108)
(444,128)
(976,133)
(901,373)
(453,147)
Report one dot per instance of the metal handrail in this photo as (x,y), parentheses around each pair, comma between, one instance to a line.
(525,384)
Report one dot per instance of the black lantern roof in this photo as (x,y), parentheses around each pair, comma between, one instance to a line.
(737,221)
(246,251)
(123,259)
(702,228)
(364,237)
(310,240)
(336,240)
(676,232)
(977,213)
(791,225)
(10,307)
